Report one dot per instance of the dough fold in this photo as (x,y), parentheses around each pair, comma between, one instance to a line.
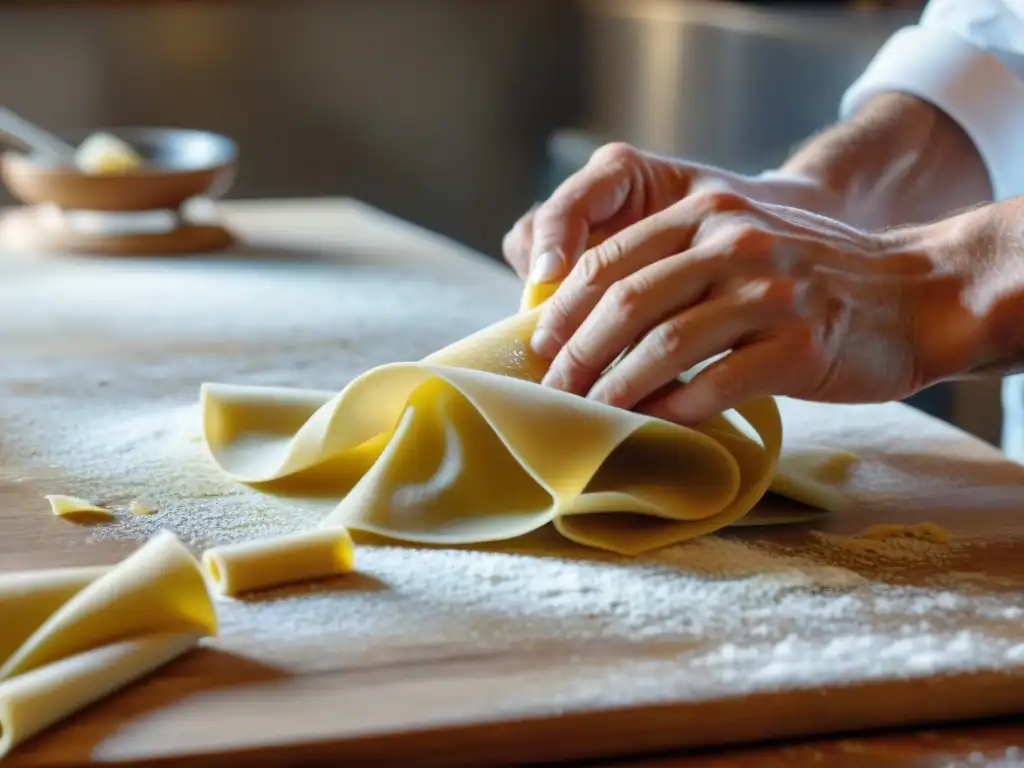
(74,635)
(464,447)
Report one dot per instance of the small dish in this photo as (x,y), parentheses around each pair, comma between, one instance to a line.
(73,211)
(179,164)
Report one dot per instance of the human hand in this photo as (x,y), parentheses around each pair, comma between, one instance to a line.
(804,306)
(620,186)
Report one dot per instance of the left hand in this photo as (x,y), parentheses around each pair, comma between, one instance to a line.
(805,306)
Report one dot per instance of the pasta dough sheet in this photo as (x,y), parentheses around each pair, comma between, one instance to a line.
(264,563)
(464,447)
(72,636)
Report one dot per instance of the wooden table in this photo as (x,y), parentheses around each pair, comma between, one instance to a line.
(535,651)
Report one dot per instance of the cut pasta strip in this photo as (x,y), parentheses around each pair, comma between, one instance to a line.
(261,564)
(73,508)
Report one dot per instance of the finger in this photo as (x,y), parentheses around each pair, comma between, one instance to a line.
(625,313)
(592,196)
(516,244)
(645,243)
(693,337)
(764,367)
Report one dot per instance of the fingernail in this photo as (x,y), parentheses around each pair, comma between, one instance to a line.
(546,268)
(544,344)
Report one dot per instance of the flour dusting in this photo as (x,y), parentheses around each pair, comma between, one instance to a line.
(895,549)
(116,422)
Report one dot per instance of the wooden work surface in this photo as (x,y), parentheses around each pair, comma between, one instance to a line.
(532,651)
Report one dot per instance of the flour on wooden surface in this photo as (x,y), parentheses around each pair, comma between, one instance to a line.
(894,549)
(117,422)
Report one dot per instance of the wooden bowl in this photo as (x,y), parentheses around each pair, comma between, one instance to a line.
(179,164)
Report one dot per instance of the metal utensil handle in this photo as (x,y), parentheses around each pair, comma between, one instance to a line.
(34,137)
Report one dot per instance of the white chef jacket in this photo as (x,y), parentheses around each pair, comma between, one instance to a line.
(967,58)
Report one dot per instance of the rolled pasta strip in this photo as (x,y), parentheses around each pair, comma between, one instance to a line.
(28,598)
(72,636)
(266,563)
(34,701)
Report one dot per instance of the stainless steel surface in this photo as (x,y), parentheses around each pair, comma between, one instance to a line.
(731,84)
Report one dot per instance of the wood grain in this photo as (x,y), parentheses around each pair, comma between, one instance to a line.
(462,696)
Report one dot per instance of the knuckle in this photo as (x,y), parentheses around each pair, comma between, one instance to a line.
(668,339)
(615,389)
(556,314)
(627,298)
(595,265)
(744,238)
(615,152)
(724,385)
(554,209)
(574,360)
(720,201)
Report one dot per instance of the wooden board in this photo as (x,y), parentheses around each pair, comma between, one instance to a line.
(532,651)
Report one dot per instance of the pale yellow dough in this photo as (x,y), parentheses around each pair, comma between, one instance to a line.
(71,636)
(265,563)
(464,447)
(74,508)
(816,476)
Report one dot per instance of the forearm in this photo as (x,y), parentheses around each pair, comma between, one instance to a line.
(897,160)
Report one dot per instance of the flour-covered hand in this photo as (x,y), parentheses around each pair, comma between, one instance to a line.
(789,302)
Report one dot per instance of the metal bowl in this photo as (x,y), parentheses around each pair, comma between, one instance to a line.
(179,164)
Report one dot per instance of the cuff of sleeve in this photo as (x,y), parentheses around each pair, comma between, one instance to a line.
(974,88)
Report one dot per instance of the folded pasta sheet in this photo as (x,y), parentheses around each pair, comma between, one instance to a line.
(465,447)
(74,635)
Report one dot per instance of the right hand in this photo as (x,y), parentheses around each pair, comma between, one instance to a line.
(618,187)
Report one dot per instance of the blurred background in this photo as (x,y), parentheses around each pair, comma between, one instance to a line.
(455,114)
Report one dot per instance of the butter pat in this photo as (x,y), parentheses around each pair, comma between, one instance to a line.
(102,153)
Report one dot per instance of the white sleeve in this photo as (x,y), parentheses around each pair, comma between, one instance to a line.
(967,58)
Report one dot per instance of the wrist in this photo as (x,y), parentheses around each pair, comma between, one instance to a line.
(971,318)
(898,160)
